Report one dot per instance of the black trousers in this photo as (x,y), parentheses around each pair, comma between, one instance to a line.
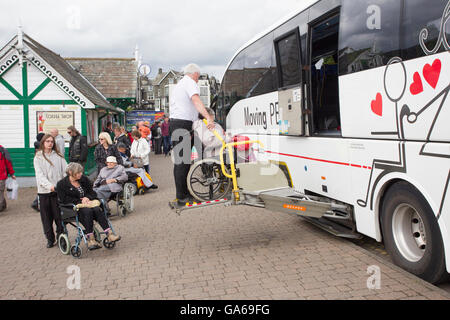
(87,216)
(180,133)
(158,145)
(50,213)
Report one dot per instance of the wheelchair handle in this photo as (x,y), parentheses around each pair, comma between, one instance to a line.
(215,133)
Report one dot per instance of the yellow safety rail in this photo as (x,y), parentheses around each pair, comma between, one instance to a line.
(230,146)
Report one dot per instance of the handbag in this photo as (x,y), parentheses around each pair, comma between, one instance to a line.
(137,162)
(12,188)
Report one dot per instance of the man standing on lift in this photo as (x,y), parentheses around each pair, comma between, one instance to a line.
(184,109)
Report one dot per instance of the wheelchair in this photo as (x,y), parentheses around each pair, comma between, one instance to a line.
(124,199)
(206,181)
(69,214)
(138,185)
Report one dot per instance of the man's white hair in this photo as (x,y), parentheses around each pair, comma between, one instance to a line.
(191,69)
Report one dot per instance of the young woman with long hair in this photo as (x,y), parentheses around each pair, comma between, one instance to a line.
(50,167)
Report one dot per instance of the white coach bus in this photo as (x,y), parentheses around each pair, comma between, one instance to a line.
(353,97)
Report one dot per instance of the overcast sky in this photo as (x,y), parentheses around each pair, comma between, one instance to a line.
(169,33)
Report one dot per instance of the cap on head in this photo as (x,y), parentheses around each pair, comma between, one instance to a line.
(111,159)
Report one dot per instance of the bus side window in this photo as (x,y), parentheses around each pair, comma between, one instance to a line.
(369,34)
(233,85)
(416,20)
(259,72)
(288,59)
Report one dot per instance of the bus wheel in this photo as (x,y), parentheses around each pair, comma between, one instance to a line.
(411,233)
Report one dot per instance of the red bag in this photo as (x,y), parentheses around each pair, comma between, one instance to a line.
(244,147)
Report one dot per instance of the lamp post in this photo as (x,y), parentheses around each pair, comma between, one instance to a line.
(137,59)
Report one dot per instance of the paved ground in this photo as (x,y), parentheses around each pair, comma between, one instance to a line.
(233,253)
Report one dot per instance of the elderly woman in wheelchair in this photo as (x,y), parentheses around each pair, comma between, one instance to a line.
(79,201)
(110,181)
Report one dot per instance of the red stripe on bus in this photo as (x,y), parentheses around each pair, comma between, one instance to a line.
(320,160)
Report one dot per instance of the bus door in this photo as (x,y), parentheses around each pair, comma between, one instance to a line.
(323,84)
(290,83)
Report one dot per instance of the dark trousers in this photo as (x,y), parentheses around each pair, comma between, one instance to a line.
(158,144)
(50,213)
(166,144)
(87,217)
(180,133)
(2,195)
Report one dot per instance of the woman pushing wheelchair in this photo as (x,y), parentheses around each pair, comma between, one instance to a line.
(77,189)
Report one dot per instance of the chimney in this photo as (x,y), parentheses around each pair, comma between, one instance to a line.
(160,71)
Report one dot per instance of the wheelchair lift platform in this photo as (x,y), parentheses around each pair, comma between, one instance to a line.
(279,200)
(274,192)
(269,185)
(328,215)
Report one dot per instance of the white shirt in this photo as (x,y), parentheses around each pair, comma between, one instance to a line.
(61,144)
(181,105)
(47,175)
(141,149)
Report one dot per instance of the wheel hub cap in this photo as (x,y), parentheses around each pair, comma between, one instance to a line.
(409,232)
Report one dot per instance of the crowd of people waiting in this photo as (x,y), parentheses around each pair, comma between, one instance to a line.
(59,182)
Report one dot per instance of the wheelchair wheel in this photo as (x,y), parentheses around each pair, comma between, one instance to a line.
(76,251)
(108,245)
(122,210)
(135,188)
(64,244)
(206,181)
(128,199)
(141,191)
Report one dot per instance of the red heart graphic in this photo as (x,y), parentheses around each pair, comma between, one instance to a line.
(417,86)
(377,105)
(432,73)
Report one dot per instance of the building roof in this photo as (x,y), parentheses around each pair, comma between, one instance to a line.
(114,77)
(161,76)
(67,71)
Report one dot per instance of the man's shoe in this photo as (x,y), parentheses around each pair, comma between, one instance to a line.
(185,201)
(153,186)
(50,244)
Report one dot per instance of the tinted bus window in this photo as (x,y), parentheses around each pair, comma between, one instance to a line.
(318,9)
(233,85)
(260,73)
(369,34)
(288,49)
(233,81)
(299,21)
(423,17)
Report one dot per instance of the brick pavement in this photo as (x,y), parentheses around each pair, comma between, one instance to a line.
(233,253)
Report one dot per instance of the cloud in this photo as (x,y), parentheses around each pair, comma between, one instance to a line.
(169,33)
